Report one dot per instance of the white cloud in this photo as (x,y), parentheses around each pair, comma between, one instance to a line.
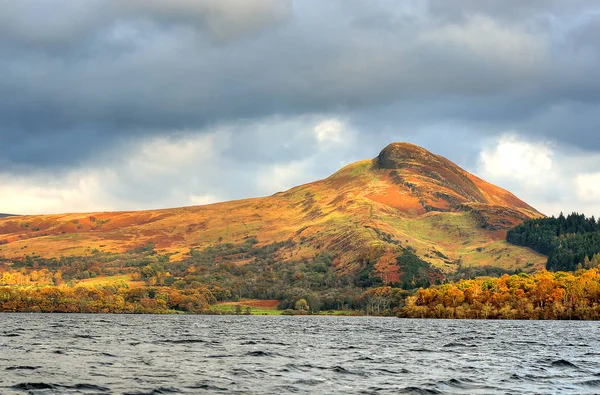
(156,173)
(515,159)
(588,187)
(550,177)
(44,193)
(200,200)
(329,130)
(284,176)
(166,155)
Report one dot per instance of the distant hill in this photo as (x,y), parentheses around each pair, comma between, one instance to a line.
(369,215)
(6,215)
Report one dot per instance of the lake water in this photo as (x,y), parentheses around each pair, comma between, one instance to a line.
(98,354)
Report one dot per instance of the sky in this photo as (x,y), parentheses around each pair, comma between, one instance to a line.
(141,104)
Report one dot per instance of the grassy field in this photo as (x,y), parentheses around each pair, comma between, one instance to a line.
(444,239)
(108,280)
(266,307)
(257,307)
(230,309)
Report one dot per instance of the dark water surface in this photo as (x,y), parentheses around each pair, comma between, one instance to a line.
(98,354)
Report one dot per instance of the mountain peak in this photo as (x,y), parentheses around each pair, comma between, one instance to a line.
(396,155)
(437,184)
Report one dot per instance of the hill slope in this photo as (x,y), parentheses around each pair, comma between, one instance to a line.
(369,212)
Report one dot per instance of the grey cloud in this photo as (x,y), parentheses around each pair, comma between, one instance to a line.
(460,9)
(123,71)
(46,26)
(225,19)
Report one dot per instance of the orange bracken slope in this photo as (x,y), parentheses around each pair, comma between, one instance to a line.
(370,210)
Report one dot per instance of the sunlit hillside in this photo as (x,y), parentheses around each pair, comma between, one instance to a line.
(370,211)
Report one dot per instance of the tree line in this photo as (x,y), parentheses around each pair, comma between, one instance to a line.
(215,272)
(571,242)
(543,295)
(103,299)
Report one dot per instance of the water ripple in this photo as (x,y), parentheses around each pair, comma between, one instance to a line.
(97,354)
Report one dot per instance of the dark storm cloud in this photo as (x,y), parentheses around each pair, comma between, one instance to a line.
(79,78)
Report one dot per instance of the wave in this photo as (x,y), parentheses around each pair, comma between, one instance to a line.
(58,387)
(22,368)
(311,382)
(453,344)
(464,383)
(184,341)
(206,387)
(34,386)
(418,391)
(260,354)
(387,371)
(591,383)
(563,363)
(156,391)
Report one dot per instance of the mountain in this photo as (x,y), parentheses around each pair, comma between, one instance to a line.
(372,212)
(6,215)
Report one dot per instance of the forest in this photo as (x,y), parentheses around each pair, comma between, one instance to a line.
(543,295)
(570,289)
(141,280)
(103,299)
(146,281)
(571,242)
